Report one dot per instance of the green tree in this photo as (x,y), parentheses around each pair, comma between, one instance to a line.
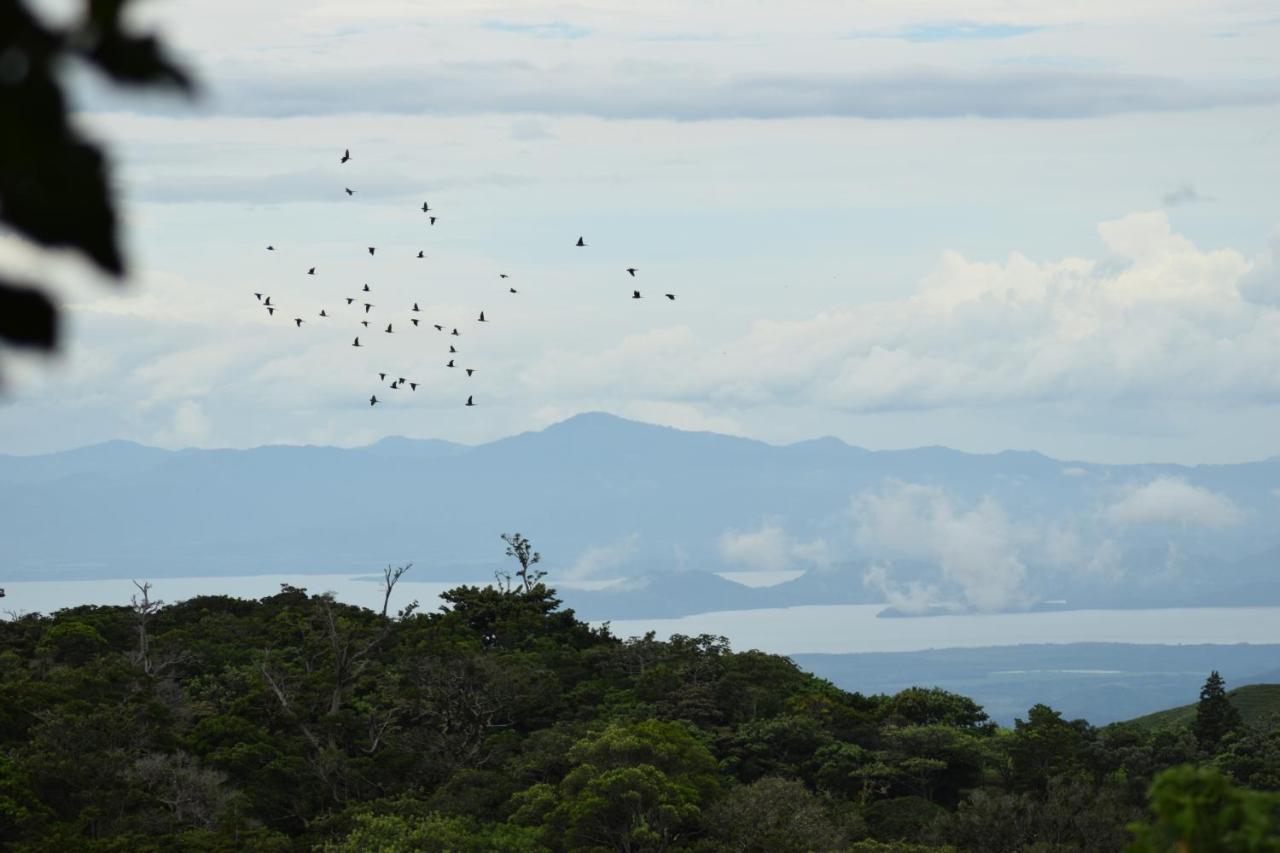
(1215,715)
(1199,810)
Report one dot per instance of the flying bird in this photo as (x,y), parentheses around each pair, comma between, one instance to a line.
(671,296)
(469,403)
(311,271)
(439,328)
(433,220)
(470,370)
(350,299)
(394,386)
(420,254)
(373,401)
(259,295)
(452,350)
(346,155)
(425,207)
(268,302)
(367,306)
(401,380)
(455,333)
(298,320)
(271,248)
(364,323)
(349,191)
(271,312)
(632,271)
(366,289)
(580,242)
(503,275)
(322,314)
(388,328)
(413,386)
(382,376)
(415,307)
(482,319)
(356,343)
(512,289)
(450,364)
(371,250)
(635,294)
(414,320)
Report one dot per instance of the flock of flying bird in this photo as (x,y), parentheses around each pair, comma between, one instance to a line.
(399,382)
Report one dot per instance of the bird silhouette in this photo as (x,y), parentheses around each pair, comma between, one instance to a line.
(367,306)
(470,370)
(450,364)
(366,289)
(322,314)
(425,207)
(271,312)
(259,295)
(394,386)
(371,248)
(373,401)
(451,349)
(420,254)
(346,155)
(350,299)
(512,289)
(415,307)
(482,319)
(503,275)
(311,271)
(382,376)
(635,294)
(349,191)
(388,328)
(356,342)
(271,248)
(439,328)
(414,320)
(469,402)
(671,296)
(413,386)
(581,242)
(298,320)
(433,220)
(401,380)
(632,271)
(268,302)
(364,323)
(455,333)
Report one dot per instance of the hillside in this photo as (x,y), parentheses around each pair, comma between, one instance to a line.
(1258,704)
(501,722)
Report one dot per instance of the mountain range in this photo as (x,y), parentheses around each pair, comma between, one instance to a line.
(664,509)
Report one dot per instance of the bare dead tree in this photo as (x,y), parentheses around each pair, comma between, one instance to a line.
(520,548)
(142,610)
(390,575)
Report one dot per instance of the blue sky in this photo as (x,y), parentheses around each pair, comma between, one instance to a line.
(1003,226)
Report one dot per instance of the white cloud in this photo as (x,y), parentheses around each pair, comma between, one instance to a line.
(975,549)
(1074,471)
(1173,500)
(770,548)
(913,597)
(603,561)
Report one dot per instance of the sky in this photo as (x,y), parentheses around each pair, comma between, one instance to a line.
(984,225)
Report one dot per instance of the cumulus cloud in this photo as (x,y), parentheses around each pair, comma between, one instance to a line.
(1154,319)
(771,548)
(1173,500)
(601,562)
(974,548)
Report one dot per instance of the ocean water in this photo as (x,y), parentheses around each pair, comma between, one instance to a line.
(790,630)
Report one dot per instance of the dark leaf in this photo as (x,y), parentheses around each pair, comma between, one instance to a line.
(27,317)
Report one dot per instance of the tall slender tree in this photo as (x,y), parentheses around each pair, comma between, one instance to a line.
(1215,715)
